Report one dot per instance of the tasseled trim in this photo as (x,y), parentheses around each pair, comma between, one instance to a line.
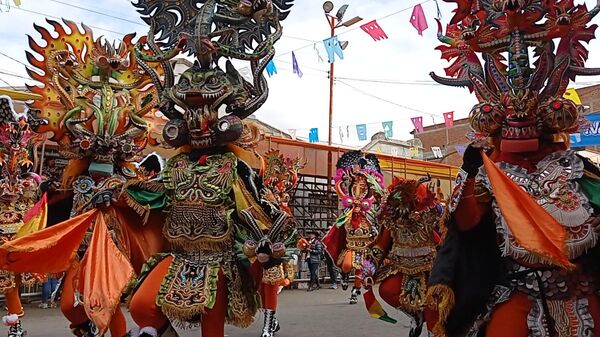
(221,243)
(142,210)
(152,186)
(440,297)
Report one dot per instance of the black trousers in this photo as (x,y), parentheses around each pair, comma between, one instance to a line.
(331,269)
(313,268)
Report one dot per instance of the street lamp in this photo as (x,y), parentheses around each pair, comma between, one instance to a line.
(334,22)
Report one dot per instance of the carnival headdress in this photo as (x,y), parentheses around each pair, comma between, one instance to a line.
(209,30)
(520,102)
(95,94)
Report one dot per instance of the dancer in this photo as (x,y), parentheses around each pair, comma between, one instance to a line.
(408,239)
(207,192)
(22,209)
(521,255)
(95,95)
(359,185)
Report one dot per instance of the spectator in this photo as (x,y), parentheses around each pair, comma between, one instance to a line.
(313,258)
(331,270)
(48,288)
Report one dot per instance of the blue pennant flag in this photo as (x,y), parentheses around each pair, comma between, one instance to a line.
(388,129)
(313,136)
(361,129)
(271,68)
(333,47)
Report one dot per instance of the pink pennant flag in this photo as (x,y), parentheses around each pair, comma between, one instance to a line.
(418,123)
(449,119)
(374,30)
(418,20)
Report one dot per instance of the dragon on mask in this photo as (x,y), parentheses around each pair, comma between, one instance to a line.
(510,220)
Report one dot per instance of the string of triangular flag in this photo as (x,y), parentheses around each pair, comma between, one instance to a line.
(387,127)
(335,48)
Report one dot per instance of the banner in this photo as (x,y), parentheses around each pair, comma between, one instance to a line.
(388,129)
(295,66)
(374,30)
(341,134)
(313,135)
(449,119)
(437,152)
(572,95)
(418,123)
(589,137)
(460,149)
(271,68)
(418,20)
(333,47)
(361,130)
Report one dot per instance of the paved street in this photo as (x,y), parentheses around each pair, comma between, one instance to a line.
(322,313)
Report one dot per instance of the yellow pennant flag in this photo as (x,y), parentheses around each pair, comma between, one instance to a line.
(572,95)
(17,2)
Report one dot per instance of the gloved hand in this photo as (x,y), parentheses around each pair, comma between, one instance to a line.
(472,160)
(104,199)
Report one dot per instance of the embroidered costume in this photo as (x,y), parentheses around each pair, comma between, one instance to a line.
(359,185)
(22,208)
(209,197)
(520,257)
(95,96)
(406,247)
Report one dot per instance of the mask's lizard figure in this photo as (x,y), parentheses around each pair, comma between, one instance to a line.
(359,185)
(520,255)
(22,209)
(206,187)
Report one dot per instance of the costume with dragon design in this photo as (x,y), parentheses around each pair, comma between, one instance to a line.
(95,96)
(520,257)
(359,185)
(405,248)
(211,199)
(21,205)
(275,248)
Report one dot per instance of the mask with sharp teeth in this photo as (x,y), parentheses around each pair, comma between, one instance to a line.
(201,92)
(405,199)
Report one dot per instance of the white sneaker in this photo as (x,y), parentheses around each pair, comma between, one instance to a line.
(43,306)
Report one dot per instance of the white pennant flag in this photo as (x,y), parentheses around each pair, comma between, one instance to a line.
(292,133)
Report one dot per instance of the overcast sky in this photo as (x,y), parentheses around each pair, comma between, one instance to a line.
(384,81)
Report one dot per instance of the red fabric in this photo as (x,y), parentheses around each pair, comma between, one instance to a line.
(510,318)
(335,241)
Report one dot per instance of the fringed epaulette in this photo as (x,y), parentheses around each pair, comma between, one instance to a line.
(142,210)
(440,297)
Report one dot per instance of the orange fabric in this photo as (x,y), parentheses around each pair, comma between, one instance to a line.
(268,295)
(105,274)
(13,300)
(532,227)
(141,240)
(357,279)
(118,324)
(32,253)
(347,263)
(213,321)
(75,314)
(510,318)
(143,308)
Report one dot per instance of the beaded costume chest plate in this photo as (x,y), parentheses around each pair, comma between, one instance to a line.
(200,206)
(554,187)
